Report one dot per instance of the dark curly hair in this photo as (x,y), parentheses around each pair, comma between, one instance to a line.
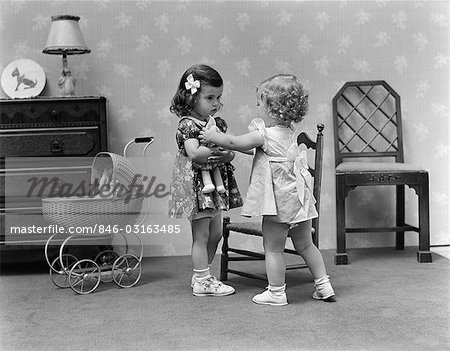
(184,101)
(285,98)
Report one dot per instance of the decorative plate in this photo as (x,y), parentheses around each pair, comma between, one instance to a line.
(23,79)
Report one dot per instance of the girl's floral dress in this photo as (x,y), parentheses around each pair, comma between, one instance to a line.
(186,197)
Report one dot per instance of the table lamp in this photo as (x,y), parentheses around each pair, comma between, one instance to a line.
(64,39)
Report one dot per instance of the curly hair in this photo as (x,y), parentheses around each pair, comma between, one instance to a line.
(285,98)
(184,101)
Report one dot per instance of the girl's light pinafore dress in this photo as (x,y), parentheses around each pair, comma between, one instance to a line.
(280,183)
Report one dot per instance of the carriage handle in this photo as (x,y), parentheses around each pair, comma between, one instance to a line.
(148,141)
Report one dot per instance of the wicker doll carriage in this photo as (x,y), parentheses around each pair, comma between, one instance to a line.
(113,206)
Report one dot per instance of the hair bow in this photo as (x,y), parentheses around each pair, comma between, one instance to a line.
(192,84)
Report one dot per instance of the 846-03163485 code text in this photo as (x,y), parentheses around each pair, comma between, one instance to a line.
(141,229)
(99,229)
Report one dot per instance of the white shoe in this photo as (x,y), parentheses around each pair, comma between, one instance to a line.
(324,290)
(211,287)
(221,189)
(271,297)
(193,280)
(208,189)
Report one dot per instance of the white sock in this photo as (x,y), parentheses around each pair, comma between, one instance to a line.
(277,291)
(201,274)
(323,280)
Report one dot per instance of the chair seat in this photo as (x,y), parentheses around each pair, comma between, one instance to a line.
(356,167)
(252,228)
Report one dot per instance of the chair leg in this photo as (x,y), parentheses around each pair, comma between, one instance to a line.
(224,256)
(315,231)
(341,256)
(400,217)
(424,253)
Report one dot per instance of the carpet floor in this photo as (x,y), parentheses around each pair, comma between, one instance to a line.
(386,301)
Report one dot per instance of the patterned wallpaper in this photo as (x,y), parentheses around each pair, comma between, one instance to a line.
(141,48)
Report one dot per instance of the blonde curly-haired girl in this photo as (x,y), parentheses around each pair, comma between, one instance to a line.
(280,190)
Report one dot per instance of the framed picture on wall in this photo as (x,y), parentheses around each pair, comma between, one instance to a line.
(23,78)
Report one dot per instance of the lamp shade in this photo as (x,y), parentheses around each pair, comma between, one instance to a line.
(65,37)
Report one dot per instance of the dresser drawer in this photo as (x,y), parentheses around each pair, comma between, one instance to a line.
(55,112)
(83,141)
(26,180)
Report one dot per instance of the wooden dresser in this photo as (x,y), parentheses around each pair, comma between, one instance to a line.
(44,141)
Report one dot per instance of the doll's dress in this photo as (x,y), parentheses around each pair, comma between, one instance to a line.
(186,197)
(280,183)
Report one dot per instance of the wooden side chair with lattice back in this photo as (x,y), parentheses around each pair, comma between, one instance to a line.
(254,228)
(369,152)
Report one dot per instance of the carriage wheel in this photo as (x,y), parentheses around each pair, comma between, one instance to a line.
(105,260)
(59,275)
(127,271)
(85,276)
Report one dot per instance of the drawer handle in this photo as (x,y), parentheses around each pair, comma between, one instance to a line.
(55,114)
(56,145)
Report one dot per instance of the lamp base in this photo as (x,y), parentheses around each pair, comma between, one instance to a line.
(66,83)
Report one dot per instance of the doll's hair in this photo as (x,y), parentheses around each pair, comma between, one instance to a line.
(285,98)
(184,101)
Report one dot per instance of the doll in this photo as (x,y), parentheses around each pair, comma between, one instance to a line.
(215,182)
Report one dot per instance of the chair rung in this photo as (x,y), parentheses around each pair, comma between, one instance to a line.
(292,252)
(258,255)
(382,229)
(247,253)
(244,258)
(296,266)
(247,275)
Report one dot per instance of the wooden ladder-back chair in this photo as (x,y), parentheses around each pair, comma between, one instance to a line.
(368,133)
(254,228)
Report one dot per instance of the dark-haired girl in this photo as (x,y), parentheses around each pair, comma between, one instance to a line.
(196,100)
